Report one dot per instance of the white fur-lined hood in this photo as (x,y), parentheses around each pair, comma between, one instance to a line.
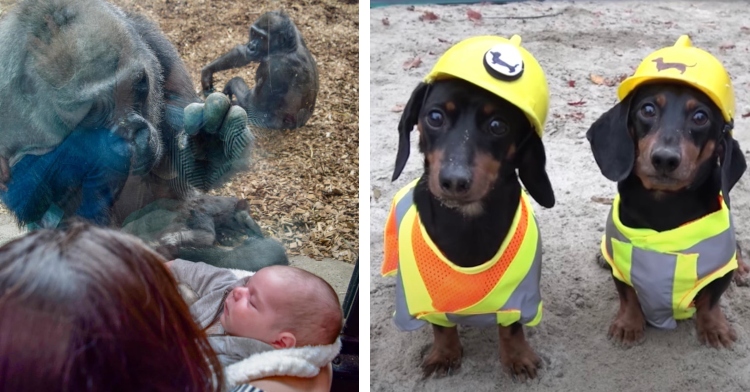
(296,361)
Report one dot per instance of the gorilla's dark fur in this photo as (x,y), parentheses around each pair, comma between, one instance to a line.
(286,82)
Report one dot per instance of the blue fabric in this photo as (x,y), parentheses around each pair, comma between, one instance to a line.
(91,163)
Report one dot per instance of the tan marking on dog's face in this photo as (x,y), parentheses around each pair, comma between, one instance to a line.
(434,163)
(511,152)
(450,107)
(420,130)
(643,166)
(661,100)
(472,209)
(488,109)
(691,104)
(485,173)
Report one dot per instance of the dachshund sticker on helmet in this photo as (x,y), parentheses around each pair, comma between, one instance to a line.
(661,65)
(504,62)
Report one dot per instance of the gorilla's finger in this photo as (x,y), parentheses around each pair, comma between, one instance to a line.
(193,118)
(216,108)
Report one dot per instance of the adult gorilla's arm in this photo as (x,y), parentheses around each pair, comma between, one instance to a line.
(217,144)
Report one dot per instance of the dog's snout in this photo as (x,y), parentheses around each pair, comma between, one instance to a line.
(455,179)
(665,160)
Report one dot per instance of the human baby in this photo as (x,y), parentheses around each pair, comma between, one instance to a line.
(281,323)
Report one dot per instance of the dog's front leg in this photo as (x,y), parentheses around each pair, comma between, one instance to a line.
(629,324)
(516,355)
(710,323)
(444,357)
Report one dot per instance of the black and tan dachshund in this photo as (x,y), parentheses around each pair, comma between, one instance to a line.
(666,145)
(473,142)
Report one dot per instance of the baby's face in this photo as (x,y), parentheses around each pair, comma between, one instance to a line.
(252,310)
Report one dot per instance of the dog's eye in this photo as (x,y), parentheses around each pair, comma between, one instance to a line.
(648,110)
(700,118)
(498,128)
(435,119)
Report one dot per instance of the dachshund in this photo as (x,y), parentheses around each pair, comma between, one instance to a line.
(476,147)
(671,152)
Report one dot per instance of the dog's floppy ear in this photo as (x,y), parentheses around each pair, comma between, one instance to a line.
(532,173)
(408,120)
(733,165)
(611,142)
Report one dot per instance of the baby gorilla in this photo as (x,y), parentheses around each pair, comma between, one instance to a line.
(286,82)
(289,309)
(217,230)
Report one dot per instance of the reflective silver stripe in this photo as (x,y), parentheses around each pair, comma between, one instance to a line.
(402,206)
(527,295)
(475,320)
(714,252)
(401,317)
(652,273)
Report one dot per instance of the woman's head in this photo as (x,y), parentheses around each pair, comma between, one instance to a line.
(93,309)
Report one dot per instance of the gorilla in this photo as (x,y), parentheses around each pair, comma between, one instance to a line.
(91,108)
(99,119)
(286,82)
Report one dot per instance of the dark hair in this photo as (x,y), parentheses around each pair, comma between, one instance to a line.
(92,309)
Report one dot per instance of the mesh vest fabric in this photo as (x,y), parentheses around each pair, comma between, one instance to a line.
(667,269)
(429,288)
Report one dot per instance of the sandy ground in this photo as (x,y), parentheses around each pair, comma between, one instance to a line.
(606,39)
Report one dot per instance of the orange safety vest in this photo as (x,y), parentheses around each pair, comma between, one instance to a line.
(430,288)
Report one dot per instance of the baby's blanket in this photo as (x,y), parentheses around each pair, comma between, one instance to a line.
(296,361)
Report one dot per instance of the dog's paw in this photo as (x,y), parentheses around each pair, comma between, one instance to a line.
(627,330)
(441,362)
(714,330)
(601,261)
(521,363)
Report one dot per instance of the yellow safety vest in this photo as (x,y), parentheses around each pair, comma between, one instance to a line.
(430,288)
(668,268)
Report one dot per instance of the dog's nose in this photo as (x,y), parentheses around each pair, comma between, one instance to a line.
(455,180)
(665,160)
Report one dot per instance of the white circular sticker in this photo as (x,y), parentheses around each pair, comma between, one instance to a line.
(505,59)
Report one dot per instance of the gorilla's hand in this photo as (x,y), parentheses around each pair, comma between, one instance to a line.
(207,81)
(217,142)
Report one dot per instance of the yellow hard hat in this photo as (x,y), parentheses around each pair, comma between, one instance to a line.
(685,63)
(502,67)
